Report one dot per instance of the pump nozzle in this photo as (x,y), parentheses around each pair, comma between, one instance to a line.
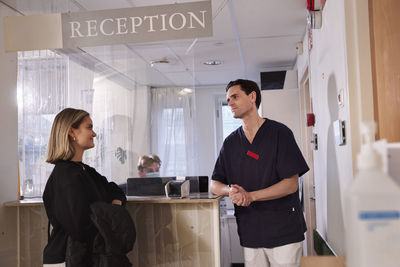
(368,157)
(367,130)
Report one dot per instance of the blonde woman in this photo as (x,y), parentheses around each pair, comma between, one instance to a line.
(70,190)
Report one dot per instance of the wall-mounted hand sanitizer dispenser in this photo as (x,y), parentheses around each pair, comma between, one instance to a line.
(340,133)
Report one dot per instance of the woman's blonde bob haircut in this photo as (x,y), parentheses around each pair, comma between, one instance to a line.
(60,143)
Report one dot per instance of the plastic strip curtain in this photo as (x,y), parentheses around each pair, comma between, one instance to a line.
(49,82)
(42,91)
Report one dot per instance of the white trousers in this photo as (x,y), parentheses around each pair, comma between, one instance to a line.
(283,256)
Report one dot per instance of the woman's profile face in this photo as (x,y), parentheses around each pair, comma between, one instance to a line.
(84,135)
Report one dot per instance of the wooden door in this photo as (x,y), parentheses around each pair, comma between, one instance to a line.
(385,58)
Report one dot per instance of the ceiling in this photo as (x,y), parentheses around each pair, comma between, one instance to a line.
(250,36)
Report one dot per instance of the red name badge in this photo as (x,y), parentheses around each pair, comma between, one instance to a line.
(252,154)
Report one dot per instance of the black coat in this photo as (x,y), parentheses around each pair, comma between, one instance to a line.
(116,237)
(70,190)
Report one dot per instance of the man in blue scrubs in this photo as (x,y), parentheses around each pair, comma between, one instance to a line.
(258,168)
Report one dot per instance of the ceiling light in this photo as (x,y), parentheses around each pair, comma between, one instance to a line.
(163,60)
(185,91)
(212,62)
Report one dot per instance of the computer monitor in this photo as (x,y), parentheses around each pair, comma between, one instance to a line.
(147,186)
(155,186)
(198,184)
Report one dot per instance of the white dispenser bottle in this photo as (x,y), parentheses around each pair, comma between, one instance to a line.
(372,211)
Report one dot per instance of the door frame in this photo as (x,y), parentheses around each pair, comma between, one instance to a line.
(306,106)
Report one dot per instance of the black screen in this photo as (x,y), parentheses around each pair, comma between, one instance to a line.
(272,80)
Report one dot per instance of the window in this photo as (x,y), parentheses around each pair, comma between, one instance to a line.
(229,123)
(225,122)
(175,141)
(173,131)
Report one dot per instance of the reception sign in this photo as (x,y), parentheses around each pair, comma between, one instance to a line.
(109,27)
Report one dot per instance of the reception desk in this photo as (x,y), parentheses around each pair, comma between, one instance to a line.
(170,232)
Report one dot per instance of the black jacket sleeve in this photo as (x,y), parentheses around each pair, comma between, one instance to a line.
(113,191)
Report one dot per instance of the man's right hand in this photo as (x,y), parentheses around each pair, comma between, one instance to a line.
(239,196)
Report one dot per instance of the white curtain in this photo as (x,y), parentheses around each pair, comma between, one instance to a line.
(173,130)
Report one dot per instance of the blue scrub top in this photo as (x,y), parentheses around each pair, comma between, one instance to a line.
(273,156)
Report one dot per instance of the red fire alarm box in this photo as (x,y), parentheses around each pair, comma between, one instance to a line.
(310,119)
(314,5)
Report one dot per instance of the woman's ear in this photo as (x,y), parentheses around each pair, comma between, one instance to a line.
(71,133)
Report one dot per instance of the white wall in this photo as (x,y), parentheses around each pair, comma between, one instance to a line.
(283,106)
(9,148)
(205,123)
(359,68)
(333,168)
(290,80)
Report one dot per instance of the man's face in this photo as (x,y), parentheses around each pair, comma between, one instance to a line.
(152,169)
(155,167)
(240,103)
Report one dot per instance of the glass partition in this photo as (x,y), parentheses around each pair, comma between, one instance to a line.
(141,99)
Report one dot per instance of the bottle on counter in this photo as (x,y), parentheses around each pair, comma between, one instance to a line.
(372,211)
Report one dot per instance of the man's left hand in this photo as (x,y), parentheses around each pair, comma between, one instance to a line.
(239,196)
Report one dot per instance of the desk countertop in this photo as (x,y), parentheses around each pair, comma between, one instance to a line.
(193,198)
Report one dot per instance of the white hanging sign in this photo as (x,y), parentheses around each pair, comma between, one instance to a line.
(109,27)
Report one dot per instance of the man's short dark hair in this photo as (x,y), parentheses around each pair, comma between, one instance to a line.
(247,86)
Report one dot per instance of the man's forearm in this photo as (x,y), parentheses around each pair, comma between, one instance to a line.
(219,188)
(283,188)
